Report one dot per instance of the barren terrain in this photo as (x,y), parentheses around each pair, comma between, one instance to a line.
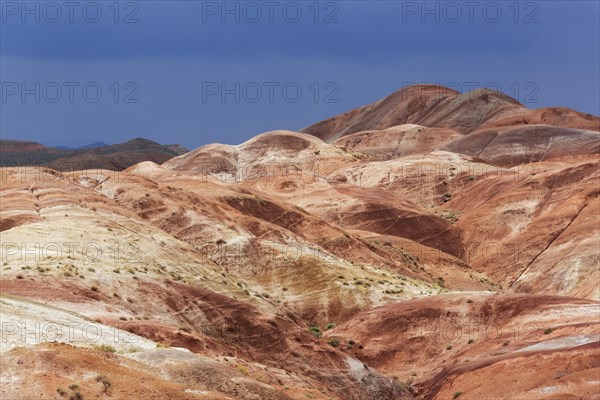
(421,247)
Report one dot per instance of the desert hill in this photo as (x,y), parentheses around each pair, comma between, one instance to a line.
(436,106)
(417,248)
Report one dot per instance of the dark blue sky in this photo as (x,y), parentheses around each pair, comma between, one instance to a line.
(195,72)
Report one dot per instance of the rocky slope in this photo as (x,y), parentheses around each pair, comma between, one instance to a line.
(425,249)
(442,107)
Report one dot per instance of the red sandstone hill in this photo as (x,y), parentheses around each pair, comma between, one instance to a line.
(442,107)
(432,245)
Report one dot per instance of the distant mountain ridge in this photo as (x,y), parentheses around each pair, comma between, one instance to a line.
(93,156)
(87,146)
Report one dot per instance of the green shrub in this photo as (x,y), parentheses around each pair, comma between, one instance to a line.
(76,396)
(242,369)
(329,325)
(106,347)
(441,281)
(548,331)
(105,382)
(315,330)
(456,395)
(335,342)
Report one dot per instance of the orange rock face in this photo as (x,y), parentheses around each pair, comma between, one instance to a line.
(432,245)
